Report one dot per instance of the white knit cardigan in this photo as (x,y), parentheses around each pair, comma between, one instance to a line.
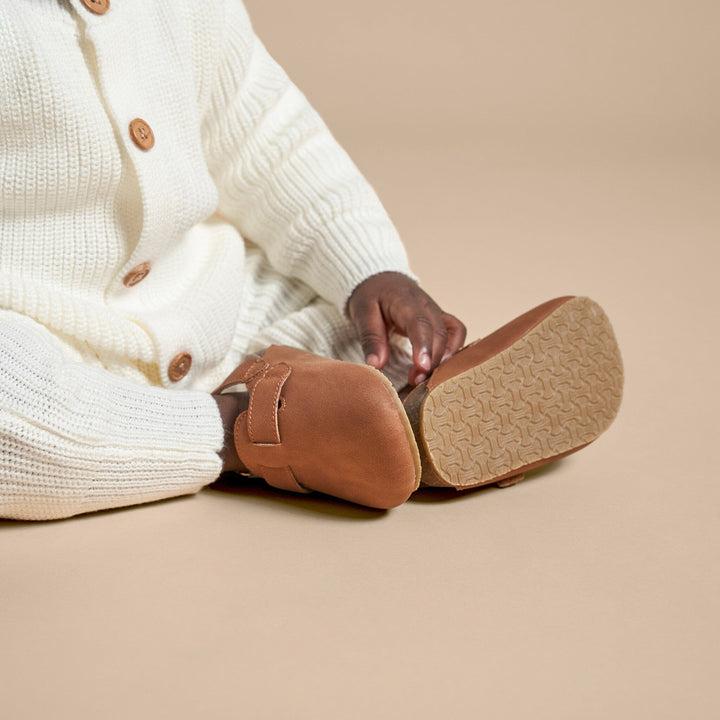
(89,417)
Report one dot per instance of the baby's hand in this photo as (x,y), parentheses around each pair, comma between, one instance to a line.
(392,300)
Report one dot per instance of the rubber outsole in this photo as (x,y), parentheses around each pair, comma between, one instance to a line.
(551,392)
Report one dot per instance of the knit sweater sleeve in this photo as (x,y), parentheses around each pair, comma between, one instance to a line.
(284,180)
(76,438)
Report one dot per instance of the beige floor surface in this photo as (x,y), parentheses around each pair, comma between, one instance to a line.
(590,590)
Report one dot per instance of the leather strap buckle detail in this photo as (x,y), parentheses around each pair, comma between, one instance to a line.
(262,414)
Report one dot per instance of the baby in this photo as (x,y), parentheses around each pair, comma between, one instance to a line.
(195,278)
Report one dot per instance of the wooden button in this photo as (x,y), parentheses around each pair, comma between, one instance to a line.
(99,7)
(142,134)
(179,366)
(136,275)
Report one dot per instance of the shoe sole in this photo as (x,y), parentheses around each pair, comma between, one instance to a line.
(553,390)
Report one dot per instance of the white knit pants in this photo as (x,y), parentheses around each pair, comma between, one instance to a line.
(276,310)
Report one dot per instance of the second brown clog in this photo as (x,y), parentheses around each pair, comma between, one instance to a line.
(541,387)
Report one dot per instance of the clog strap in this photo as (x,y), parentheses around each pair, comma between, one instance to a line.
(262,414)
(265,383)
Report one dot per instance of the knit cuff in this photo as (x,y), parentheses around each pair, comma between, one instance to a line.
(78,438)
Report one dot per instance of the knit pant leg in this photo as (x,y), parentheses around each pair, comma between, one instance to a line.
(321,329)
(276,310)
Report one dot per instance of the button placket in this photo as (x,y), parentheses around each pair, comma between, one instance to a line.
(142,136)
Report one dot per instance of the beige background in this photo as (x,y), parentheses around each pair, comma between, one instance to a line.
(525,149)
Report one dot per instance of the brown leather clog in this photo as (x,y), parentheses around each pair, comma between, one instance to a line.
(541,387)
(314,423)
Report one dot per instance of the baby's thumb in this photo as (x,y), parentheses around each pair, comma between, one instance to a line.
(373,336)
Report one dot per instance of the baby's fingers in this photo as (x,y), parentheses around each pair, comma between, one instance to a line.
(372,330)
(428,336)
(456,334)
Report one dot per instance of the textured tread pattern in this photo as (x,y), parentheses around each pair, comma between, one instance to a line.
(554,390)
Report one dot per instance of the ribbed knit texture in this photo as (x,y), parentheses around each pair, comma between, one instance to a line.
(89,418)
